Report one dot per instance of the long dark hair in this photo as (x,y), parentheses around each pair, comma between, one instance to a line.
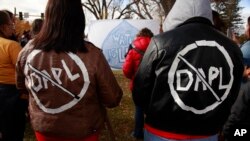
(36,26)
(4,19)
(63,27)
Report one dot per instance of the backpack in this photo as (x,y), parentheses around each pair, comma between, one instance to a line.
(131,46)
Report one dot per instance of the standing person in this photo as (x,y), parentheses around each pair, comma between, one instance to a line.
(68,80)
(12,114)
(36,27)
(130,66)
(240,112)
(218,22)
(189,77)
(13,19)
(25,38)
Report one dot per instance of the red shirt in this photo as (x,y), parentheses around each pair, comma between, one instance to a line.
(42,137)
(170,135)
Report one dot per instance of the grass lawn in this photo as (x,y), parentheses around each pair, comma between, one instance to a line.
(121,117)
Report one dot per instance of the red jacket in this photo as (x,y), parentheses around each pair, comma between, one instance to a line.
(133,58)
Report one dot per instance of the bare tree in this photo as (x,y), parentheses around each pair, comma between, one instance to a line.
(143,9)
(217,1)
(96,8)
(147,9)
(167,5)
(117,9)
(107,9)
(229,11)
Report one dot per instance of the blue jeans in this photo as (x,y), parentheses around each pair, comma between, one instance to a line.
(151,137)
(139,122)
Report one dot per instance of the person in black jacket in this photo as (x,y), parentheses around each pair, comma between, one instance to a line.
(189,76)
(239,119)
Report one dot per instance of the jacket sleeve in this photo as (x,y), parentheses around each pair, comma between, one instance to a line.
(238,113)
(20,76)
(109,92)
(145,77)
(128,66)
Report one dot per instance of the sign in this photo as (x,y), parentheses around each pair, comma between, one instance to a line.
(26,15)
(114,37)
(48,80)
(194,72)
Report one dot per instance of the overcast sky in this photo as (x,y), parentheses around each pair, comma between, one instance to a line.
(31,6)
(36,7)
(246,9)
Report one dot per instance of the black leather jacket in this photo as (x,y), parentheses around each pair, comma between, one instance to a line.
(188,79)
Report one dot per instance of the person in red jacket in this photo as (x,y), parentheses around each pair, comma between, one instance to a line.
(130,66)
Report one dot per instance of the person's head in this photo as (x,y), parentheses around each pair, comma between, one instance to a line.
(186,9)
(246,59)
(36,26)
(12,17)
(145,32)
(63,27)
(247,31)
(246,73)
(7,27)
(218,23)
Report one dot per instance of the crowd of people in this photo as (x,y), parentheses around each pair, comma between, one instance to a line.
(13,106)
(12,114)
(189,83)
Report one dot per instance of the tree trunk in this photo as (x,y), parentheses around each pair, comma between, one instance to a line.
(167,5)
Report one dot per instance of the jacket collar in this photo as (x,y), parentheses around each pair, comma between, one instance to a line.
(201,20)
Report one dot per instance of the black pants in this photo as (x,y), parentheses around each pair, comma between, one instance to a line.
(12,114)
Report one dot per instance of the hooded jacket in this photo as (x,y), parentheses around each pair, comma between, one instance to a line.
(68,92)
(184,10)
(133,59)
(190,75)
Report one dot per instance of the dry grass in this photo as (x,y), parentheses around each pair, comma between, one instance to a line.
(121,118)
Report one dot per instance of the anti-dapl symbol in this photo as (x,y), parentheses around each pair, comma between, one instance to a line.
(52,81)
(175,81)
(71,77)
(200,76)
(32,73)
